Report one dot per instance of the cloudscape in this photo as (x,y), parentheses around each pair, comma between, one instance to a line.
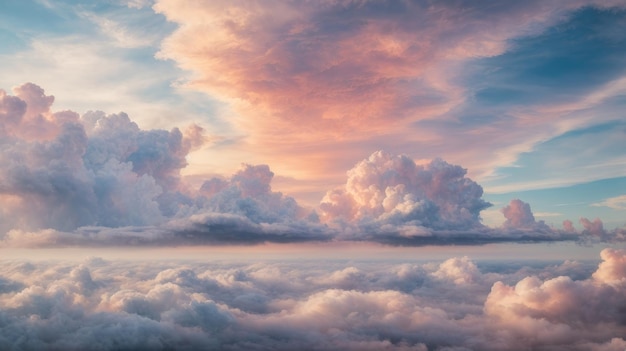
(296,175)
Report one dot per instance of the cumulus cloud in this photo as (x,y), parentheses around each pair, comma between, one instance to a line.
(393,189)
(281,305)
(519,216)
(563,311)
(69,172)
(99,179)
(459,270)
(391,199)
(593,228)
(594,231)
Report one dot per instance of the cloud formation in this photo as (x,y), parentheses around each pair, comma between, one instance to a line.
(390,188)
(342,78)
(281,305)
(519,216)
(64,172)
(391,199)
(334,64)
(99,179)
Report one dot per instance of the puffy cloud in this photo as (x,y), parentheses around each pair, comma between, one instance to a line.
(593,228)
(245,209)
(561,310)
(612,270)
(459,270)
(359,305)
(593,232)
(568,226)
(393,189)
(99,179)
(519,216)
(391,199)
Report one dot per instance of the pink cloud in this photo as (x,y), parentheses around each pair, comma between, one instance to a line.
(344,73)
(519,215)
(394,189)
(560,310)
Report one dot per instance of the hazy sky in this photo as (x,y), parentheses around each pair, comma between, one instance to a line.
(527,97)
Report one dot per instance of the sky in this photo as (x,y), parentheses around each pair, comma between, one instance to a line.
(433,137)
(527,98)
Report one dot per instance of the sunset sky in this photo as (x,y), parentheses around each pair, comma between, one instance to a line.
(334,129)
(528,97)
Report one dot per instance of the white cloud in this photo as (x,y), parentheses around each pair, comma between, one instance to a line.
(281,305)
(616,203)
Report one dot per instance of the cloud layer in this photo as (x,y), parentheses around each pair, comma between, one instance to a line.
(99,179)
(451,305)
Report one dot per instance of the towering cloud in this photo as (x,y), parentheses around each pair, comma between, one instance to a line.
(100,179)
(393,193)
(244,209)
(519,216)
(562,310)
(93,173)
(63,172)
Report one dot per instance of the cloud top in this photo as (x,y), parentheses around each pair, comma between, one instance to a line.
(457,304)
(99,179)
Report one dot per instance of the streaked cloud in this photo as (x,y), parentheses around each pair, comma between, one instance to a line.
(403,78)
(616,203)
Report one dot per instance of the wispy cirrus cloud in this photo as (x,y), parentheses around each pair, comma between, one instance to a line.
(616,203)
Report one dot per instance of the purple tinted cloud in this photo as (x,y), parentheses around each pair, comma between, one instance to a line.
(452,305)
(99,179)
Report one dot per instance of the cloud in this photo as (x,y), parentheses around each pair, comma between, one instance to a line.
(459,270)
(393,189)
(562,310)
(519,216)
(359,305)
(337,55)
(616,203)
(99,179)
(349,72)
(391,199)
(95,170)
(343,78)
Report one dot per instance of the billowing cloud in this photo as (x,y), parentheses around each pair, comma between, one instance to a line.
(389,198)
(281,305)
(562,310)
(393,189)
(519,216)
(63,172)
(100,178)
